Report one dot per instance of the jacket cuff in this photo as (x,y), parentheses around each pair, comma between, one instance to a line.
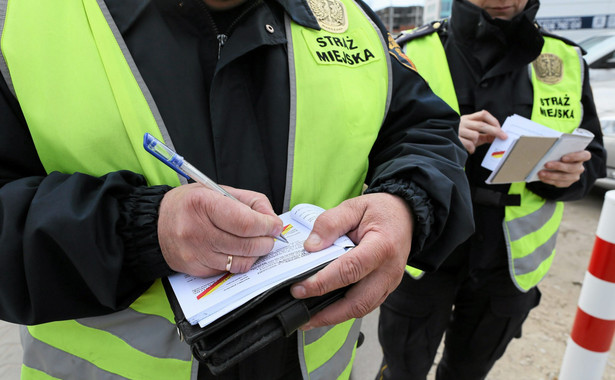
(138,227)
(419,203)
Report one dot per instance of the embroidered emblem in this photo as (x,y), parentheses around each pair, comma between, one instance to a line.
(330,14)
(395,51)
(548,68)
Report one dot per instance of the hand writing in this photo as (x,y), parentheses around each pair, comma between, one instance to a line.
(199,228)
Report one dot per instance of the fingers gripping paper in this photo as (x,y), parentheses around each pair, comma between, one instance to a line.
(204,300)
(528,147)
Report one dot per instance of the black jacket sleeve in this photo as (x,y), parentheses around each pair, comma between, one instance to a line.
(71,245)
(418,156)
(594,168)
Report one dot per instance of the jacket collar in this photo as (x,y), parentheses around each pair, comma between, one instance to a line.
(126,12)
(300,12)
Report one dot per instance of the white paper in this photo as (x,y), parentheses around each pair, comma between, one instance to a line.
(568,143)
(283,262)
(514,126)
(306,214)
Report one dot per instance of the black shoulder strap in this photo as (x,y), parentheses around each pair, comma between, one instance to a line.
(421,31)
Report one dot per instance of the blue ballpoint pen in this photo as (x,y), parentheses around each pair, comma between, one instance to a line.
(184,168)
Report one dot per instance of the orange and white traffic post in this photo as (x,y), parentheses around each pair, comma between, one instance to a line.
(590,340)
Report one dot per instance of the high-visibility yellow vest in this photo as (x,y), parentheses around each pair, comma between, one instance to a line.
(557,79)
(79,89)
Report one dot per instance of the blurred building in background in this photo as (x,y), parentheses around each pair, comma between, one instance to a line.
(578,19)
(574,19)
(436,10)
(397,18)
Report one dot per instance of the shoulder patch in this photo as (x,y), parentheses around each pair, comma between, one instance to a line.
(395,51)
(421,31)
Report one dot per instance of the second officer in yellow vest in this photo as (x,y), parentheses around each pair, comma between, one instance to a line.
(490,60)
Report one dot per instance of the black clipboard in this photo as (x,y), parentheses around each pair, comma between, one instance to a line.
(243,331)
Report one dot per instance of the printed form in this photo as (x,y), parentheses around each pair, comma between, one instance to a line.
(203,300)
(514,126)
(528,147)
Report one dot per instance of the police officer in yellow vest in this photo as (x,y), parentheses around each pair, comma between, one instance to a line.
(282,101)
(488,61)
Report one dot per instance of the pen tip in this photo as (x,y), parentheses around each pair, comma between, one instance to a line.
(282,239)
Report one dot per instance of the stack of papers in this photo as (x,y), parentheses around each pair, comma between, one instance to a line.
(204,300)
(528,147)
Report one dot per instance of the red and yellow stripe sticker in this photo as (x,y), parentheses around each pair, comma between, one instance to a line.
(215,285)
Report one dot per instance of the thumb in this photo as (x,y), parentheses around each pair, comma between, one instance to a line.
(332,224)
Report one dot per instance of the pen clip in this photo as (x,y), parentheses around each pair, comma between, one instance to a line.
(163,153)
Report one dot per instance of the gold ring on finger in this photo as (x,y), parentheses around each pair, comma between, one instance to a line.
(229,262)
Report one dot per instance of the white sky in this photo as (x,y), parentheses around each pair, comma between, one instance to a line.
(549,8)
(379,4)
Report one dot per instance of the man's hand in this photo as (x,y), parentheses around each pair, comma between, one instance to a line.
(381,225)
(565,172)
(199,228)
(479,128)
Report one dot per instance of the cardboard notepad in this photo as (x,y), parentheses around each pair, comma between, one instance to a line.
(528,147)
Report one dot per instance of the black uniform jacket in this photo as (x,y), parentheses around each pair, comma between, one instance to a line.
(488,59)
(75,245)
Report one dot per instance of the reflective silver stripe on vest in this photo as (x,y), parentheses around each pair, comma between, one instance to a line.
(529,223)
(530,263)
(315,334)
(130,325)
(523,226)
(4,69)
(292,125)
(55,361)
(385,47)
(336,365)
(582,66)
(135,72)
